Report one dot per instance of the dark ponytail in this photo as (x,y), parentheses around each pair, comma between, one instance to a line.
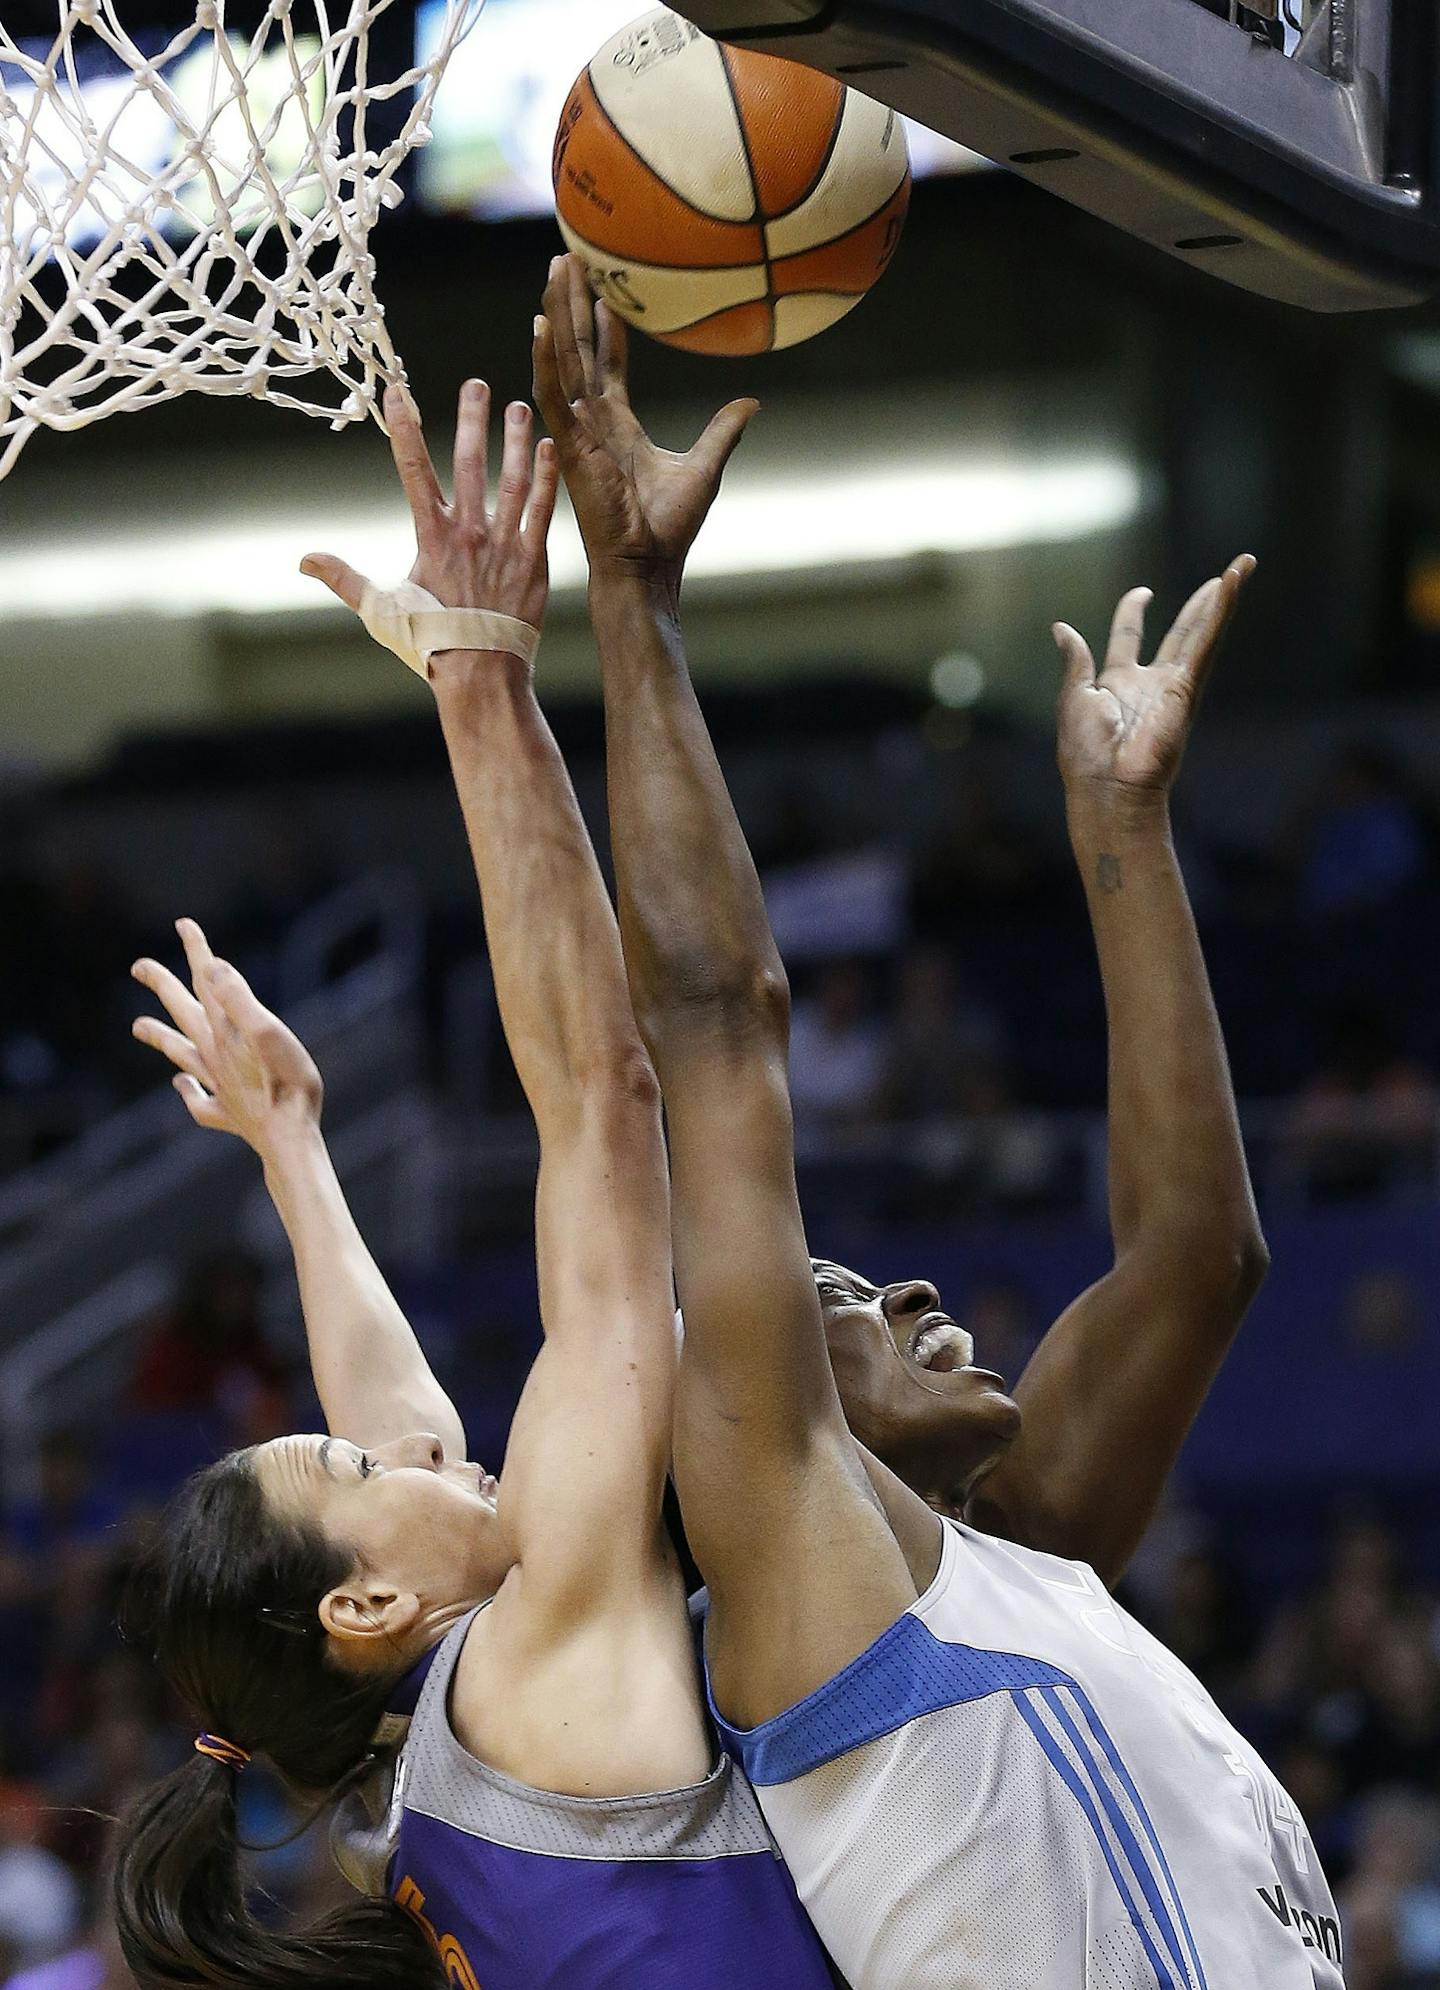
(227,1602)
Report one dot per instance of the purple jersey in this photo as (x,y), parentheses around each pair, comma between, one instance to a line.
(521,1889)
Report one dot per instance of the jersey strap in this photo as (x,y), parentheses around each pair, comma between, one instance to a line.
(907,1673)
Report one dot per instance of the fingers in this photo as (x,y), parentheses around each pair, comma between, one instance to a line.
(1127,630)
(181,1052)
(1193,626)
(225,989)
(612,353)
(543,489)
(1191,643)
(582,319)
(1077,666)
(1201,640)
(213,978)
(550,397)
(560,313)
(514,470)
(198,956)
(180,1005)
(204,1110)
(412,458)
(1232,583)
(472,446)
(718,444)
(340,579)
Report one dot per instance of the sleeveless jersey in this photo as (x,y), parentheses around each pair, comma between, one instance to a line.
(1016,1787)
(521,1889)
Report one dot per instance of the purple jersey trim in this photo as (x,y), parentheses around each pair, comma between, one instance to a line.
(513,1920)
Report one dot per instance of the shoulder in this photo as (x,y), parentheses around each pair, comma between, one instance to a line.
(607,1706)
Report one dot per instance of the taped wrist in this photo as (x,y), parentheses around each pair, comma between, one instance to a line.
(414,625)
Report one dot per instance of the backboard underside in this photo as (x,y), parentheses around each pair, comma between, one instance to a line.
(1311,177)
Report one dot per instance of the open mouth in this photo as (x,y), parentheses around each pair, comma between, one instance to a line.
(940,1346)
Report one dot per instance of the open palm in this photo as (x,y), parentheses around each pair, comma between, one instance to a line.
(1127,724)
(239,1069)
(638,505)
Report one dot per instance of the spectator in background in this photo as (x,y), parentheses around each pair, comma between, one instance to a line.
(944,1045)
(1366,1120)
(837,1051)
(995,1157)
(89,935)
(114,1742)
(208,1353)
(1000,1317)
(1202,1618)
(1315,1675)
(1382,1313)
(69,1512)
(798,831)
(290,872)
(55,1565)
(1399,1740)
(975,862)
(1365,843)
(1310,1773)
(1391,1904)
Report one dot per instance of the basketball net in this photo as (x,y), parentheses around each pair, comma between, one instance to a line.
(197,218)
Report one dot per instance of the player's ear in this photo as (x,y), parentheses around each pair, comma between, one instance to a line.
(366,1616)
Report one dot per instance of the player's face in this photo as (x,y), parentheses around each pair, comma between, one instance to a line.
(419,1525)
(907,1379)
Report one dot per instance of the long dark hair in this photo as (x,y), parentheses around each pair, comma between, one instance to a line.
(227,1600)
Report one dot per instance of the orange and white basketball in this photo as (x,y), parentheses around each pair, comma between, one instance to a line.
(725,201)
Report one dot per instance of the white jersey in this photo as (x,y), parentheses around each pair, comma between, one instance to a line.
(1018,1788)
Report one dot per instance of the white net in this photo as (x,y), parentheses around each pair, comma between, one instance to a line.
(192,211)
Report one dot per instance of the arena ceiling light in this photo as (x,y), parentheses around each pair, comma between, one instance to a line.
(857,516)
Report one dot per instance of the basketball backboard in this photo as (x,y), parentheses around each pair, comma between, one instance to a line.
(1291,147)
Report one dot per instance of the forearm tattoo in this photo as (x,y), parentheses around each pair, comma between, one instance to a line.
(1107,873)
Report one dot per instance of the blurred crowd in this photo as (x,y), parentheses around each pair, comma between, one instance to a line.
(942,967)
(66,999)
(980,999)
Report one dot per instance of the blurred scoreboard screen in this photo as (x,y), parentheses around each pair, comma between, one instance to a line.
(144,136)
(1289,148)
(495,116)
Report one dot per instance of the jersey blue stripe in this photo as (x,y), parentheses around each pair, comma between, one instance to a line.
(1129,1844)
(1072,1779)
(1117,1763)
(908,1672)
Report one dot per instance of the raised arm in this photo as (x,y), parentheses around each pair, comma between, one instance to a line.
(587,1459)
(1115,1385)
(802,1566)
(240,1070)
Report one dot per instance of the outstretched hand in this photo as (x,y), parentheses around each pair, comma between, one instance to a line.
(1125,727)
(467,555)
(239,1069)
(639,506)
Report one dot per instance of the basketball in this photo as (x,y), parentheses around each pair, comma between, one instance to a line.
(722,200)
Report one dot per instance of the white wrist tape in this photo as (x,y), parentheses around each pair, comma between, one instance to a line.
(412,623)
